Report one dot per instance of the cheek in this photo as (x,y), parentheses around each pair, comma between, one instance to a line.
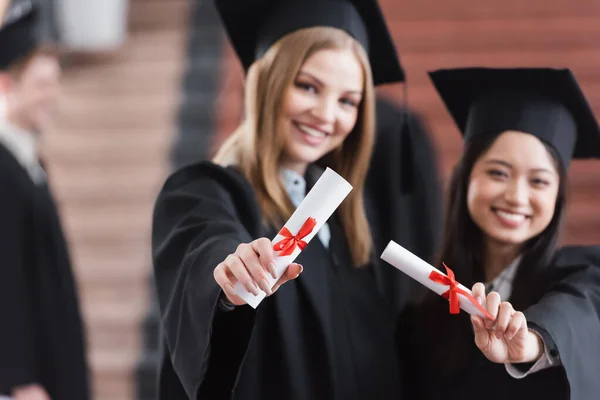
(346,122)
(475,196)
(481,195)
(295,103)
(545,206)
(288,104)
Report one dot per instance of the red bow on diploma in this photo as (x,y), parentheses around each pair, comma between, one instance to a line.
(288,244)
(452,293)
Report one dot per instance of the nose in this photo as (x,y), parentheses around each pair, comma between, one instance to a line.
(517,192)
(325,110)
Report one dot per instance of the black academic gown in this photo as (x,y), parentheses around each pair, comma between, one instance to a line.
(567,316)
(326,335)
(403,183)
(327,330)
(41,335)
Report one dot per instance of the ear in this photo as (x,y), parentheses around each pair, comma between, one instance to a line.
(5,82)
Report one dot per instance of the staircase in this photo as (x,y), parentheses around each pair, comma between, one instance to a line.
(108,155)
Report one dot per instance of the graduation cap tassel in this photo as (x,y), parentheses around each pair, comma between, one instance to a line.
(406,147)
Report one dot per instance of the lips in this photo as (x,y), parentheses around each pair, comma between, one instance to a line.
(311,131)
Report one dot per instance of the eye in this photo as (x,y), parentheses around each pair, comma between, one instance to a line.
(349,102)
(307,87)
(497,174)
(540,183)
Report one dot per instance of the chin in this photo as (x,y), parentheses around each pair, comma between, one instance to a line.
(306,156)
(508,238)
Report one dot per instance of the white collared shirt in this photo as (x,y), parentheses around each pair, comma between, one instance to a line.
(503,283)
(295,186)
(23,145)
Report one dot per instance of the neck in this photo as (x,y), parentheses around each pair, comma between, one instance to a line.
(497,257)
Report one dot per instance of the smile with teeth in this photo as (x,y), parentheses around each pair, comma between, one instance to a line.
(316,133)
(516,217)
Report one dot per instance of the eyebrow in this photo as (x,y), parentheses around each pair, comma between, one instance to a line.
(320,82)
(509,165)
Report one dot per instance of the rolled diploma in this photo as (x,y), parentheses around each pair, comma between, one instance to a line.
(419,270)
(320,203)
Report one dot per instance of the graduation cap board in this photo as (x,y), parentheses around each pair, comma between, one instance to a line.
(255,25)
(18,32)
(547,103)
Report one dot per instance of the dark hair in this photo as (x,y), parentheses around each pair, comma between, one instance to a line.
(462,250)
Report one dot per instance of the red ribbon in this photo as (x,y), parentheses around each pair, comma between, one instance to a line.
(288,244)
(452,293)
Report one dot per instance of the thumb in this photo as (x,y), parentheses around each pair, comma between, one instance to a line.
(292,272)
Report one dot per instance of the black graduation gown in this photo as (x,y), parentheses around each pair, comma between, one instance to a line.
(326,335)
(403,189)
(41,335)
(402,204)
(568,316)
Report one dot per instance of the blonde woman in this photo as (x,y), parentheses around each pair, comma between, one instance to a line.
(326,329)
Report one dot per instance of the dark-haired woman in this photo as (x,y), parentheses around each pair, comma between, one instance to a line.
(506,202)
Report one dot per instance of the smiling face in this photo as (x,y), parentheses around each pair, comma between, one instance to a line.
(321,107)
(513,189)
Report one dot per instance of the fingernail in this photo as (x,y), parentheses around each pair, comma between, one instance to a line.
(265,287)
(229,289)
(488,324)
(252,288)
(301,269)
(499,335)
(273,270)
(480,300)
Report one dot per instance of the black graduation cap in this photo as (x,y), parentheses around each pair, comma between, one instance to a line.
(547,103)
(19,32)
(255,25)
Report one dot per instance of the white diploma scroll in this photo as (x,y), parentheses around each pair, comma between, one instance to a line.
(420,271)
(320,203)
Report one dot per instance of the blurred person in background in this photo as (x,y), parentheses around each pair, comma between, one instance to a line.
(42,341)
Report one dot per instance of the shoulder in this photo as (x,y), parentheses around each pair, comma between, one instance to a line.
(207,178)
(207,188)
(572,261)
(14,180)
(204,172)
(577,256)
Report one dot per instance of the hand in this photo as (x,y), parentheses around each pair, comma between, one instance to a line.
(250,265)
(507,339)
(30,392)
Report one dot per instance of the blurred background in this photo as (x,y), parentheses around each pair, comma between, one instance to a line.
(150,85)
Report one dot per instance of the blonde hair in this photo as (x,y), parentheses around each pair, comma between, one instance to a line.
(257,145)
